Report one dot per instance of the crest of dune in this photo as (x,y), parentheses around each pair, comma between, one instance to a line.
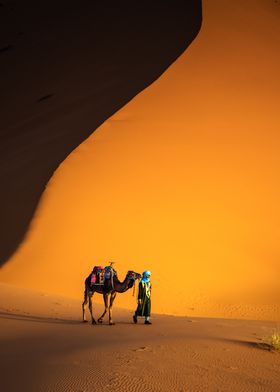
(183,181)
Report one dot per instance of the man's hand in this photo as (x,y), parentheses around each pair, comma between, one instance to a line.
(139,301)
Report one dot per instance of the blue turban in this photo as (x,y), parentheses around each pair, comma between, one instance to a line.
(145,278)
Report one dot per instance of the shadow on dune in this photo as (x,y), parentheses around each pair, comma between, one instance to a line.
(245,343)
(56,320)
(39,319)
(53,320)
(66,67)
(40,360)
(62,358)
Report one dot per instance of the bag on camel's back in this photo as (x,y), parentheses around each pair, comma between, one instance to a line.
(109,272)
(97,275)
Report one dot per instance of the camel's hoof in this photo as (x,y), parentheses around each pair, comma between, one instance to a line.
(84,321)
(93,322)
(100,321)
(111,323)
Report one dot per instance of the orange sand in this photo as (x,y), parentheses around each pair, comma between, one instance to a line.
(184,180)
(45,348)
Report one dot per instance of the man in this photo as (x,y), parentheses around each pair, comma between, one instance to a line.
(144,298)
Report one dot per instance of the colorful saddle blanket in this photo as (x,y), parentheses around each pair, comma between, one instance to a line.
(100,274)
(97,275)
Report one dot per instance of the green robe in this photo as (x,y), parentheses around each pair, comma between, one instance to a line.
(144,293)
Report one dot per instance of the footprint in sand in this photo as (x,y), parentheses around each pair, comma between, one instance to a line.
(144,348)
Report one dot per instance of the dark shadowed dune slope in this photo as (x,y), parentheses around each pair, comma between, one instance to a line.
(66,66)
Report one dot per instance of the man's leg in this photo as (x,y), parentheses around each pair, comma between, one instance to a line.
(137,311)
(147,321)
(147,313)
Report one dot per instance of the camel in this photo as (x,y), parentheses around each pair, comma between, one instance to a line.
(111,287)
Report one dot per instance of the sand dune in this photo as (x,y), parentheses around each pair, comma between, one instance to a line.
(65,68)
(184,180)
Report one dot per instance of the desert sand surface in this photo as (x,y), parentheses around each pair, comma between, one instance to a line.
(183,180)
(45,347)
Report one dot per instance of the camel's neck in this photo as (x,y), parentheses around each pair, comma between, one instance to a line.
(121,287)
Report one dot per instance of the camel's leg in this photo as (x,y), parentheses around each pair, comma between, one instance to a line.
(112,298)
(84,304)
(90,308)
(105,297)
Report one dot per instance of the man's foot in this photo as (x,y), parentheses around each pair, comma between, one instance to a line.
(135,319)
(147,322)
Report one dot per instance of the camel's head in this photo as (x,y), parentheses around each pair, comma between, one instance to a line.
(132,276)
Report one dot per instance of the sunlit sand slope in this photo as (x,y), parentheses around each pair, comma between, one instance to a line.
(184,180)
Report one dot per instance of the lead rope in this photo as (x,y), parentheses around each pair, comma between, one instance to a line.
(134,290)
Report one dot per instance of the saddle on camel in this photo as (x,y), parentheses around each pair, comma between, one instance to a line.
(105,281)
